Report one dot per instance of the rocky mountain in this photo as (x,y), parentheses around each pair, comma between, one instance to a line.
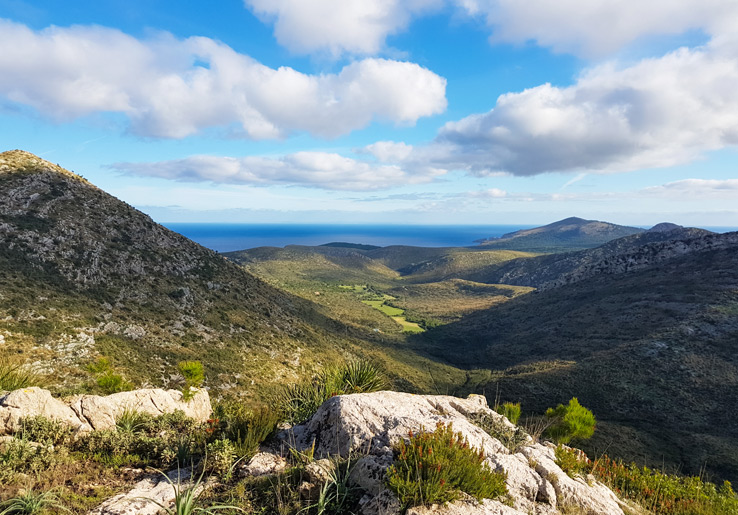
(83,274)
(568,234)
(652,352)
(622,255)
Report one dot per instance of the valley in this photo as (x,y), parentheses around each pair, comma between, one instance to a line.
(641,328)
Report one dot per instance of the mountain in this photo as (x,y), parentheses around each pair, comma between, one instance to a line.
(83,274)
(568,234)
(653,352)
(626,254)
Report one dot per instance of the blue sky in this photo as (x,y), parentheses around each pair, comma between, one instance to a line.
(389,111)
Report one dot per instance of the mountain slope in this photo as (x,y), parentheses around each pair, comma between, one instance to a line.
(83,274)
(568,234)
(654,353)
(617,256)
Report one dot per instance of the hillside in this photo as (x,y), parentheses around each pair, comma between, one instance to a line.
(652,352)
(562,236)
(83,274)
(629,253)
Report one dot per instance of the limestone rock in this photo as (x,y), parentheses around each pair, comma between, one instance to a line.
(370,424)
(142,498)
(264,464)
(29,402)
(466,508)
(93,412)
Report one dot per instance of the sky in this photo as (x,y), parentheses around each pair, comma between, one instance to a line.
(383,111)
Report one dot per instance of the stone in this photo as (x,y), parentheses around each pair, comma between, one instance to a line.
(30,402)
(94,412)
(370,424)
(142,499)
(264,464)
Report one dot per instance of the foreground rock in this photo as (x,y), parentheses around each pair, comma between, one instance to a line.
(149,495)
(94,412)
(370,424)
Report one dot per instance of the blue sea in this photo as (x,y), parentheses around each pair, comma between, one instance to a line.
(228,237)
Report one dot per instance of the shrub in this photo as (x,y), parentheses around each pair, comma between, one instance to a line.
(44,431)
(299,401)
(246,428)
(512,438)
(436,467)
(571,461)
(510,411)
(31,502)
(221,455)
(663,493)
(15,375)
(570,422)
(107,379)
(194,375)
(26,457)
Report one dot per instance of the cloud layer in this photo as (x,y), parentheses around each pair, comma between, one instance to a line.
(173,88)
(311,169)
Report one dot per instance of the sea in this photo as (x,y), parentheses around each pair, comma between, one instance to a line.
(229,237)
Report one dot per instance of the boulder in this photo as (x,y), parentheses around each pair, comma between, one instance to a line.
(94,412)
(30,402)
(371,423)
(264,464)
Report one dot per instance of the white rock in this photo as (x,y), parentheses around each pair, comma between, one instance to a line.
(93,412)
(29,402)
(140,499)
(371,424)
(264,464)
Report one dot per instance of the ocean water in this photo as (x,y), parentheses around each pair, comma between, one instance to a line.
(228,237)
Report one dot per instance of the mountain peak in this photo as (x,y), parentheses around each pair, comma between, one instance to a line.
(21,161)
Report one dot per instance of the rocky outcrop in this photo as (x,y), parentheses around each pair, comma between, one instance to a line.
(371,424)
(93,412)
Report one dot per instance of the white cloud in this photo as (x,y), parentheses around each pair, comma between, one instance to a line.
(599,27)
(388,151)
(656,113)
(691,189)
(173,88)
(310,169)
(338,26)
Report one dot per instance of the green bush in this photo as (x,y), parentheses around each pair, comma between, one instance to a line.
(31,502)
(436,467)
(572,421)
(194,375)
(299,401)
(512,438)
(510,411)
(107,379)
(44,431)
(571,461)
(246,428)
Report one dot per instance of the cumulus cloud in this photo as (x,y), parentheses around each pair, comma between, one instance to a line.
(598,27)
(659,112)
(310,169)
(338,26)
(172,88)
(388,151)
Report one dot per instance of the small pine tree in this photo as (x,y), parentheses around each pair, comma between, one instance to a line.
(510,411)
(570,422)
(194,375)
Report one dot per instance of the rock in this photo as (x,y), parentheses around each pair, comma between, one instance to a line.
(140,499)
(370,424)
(93,412)
(264,464)
(466,508)
(30,402)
